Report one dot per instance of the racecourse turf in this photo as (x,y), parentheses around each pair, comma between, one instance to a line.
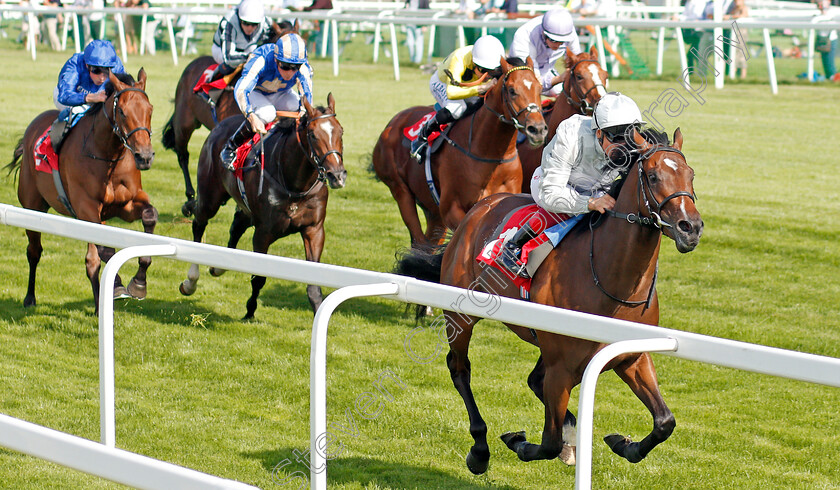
(198,387)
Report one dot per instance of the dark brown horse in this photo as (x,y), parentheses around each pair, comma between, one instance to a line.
(481,159)
(101,178)
(617,280)
(294,196)
(191,112)
(584,84)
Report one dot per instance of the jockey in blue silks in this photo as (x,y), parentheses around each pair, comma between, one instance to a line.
(265,87)
(81,83)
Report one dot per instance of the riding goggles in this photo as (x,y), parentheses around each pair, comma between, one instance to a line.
(289,67)
(98,70)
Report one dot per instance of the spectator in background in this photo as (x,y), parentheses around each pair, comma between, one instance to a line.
(826,42)
(694,11)
(51,23)
(137,25)
(96,19)
(414,33)
(128,27)
(26,25)
(545,39)
(316,39)
(738,10)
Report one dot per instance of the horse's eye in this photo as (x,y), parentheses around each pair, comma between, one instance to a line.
(512,92)
(652,178)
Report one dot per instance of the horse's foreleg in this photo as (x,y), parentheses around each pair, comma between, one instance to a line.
(435,229)
(459,331)
(241,223)
(556,387)
(640,376)
(199,224)
(137,286)
(408,211)
(182,139)
(33,256)
(262,239)
(313,245)
(536,382)
(92,264)
(105,254)
(452,213)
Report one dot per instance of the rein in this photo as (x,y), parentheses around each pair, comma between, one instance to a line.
(582,105)
(652,220)
(121,134)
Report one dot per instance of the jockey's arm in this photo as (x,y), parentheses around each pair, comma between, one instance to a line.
(68,80)
(555,195)
(456,67)
(304,76)
(230,55)
(247,82)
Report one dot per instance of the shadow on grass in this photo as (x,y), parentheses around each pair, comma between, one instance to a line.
(366,472)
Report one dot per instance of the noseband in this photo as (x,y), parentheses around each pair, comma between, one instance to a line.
(583,106)
(514,120)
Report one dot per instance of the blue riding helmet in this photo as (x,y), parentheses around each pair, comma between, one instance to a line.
(100,53)
(290,48)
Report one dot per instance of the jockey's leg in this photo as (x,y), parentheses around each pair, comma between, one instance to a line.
(61,126)
(288,101)
(509,256)
(237,139)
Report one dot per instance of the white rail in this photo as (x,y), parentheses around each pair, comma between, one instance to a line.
(722,352)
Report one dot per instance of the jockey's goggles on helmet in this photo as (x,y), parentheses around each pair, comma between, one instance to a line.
(249,24)
(98,70)
(289,66)
(618,134)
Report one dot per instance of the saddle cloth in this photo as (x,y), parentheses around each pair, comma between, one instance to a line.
(413,131)
(551,228)
(250,148)
(45,158)
(205,85)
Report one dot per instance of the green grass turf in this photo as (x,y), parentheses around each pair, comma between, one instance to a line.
(198,387)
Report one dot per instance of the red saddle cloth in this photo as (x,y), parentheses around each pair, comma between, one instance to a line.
(413,131)
(540,220)
(205,85)
(243,151)
(45,158)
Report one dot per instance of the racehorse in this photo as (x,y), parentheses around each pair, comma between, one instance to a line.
(607,268)
(101,179)
(191,112)
(297,165)
(583,86)
(480,160)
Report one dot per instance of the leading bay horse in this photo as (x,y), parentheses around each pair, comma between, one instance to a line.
(607,268)
(294,196)
(191,112)
(99,164)
(481,159)
(583,86)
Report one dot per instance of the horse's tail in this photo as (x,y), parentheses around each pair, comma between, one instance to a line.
(14,165)
(368,157)
(421,263)
(168,135)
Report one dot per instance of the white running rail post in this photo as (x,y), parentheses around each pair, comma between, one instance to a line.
(586,403)
(318,371)
(107,422)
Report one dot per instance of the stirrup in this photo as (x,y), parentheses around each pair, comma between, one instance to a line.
(417,148)
(509,259)
(228,158)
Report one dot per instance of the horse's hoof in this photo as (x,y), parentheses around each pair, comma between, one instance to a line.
(513,439)
(184,290)
(216,272)
(120,292)
(29,301)
(188,207)
(136,289)
(476,465)
(567,454)
(624,447)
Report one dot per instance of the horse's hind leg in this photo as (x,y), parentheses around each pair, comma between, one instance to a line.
(105,254)
(241,223)
(459,331)
(183,133)
(33,256)
(640,376)
(137,286)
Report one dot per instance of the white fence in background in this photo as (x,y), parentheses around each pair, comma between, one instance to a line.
(795,19)
(623,336)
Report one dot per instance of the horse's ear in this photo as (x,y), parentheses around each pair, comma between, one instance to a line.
(331,103)
(593,52)
(115,82)
(505,66)
(306,105)
(296,29)
(641,143)
(141,79)
(529,62)
(570,58)
(678,139)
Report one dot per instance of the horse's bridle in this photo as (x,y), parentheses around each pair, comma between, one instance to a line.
(582,105)
(121,134)
(312,157)
(514,120)
(651,220)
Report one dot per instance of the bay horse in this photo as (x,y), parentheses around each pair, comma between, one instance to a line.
(480,160)
(192,112)
(607,268)
(294,199)
(583,86)
(101,179)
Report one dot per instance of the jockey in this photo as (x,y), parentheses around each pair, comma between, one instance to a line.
(240,32)
(545,39)
(266,87)
(448,85)
(81,83)
(579,166)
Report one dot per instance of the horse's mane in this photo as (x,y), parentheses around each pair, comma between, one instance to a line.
(513,61)
(655,137)
(110,89)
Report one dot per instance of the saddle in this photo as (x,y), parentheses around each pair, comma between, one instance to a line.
(552,227)
(412,132)
(212,88)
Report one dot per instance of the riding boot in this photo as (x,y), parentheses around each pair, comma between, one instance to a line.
(509,256)
(237,139)
(422,139)
(58,131)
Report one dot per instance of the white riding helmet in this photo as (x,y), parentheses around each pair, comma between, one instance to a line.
(487,52)
(251,11)
(557,25)
(615,109)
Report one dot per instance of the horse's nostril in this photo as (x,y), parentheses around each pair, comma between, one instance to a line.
(684,226)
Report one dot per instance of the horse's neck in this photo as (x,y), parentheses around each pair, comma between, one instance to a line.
(101,138)
(490,137)
(562,110)
(291,160)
